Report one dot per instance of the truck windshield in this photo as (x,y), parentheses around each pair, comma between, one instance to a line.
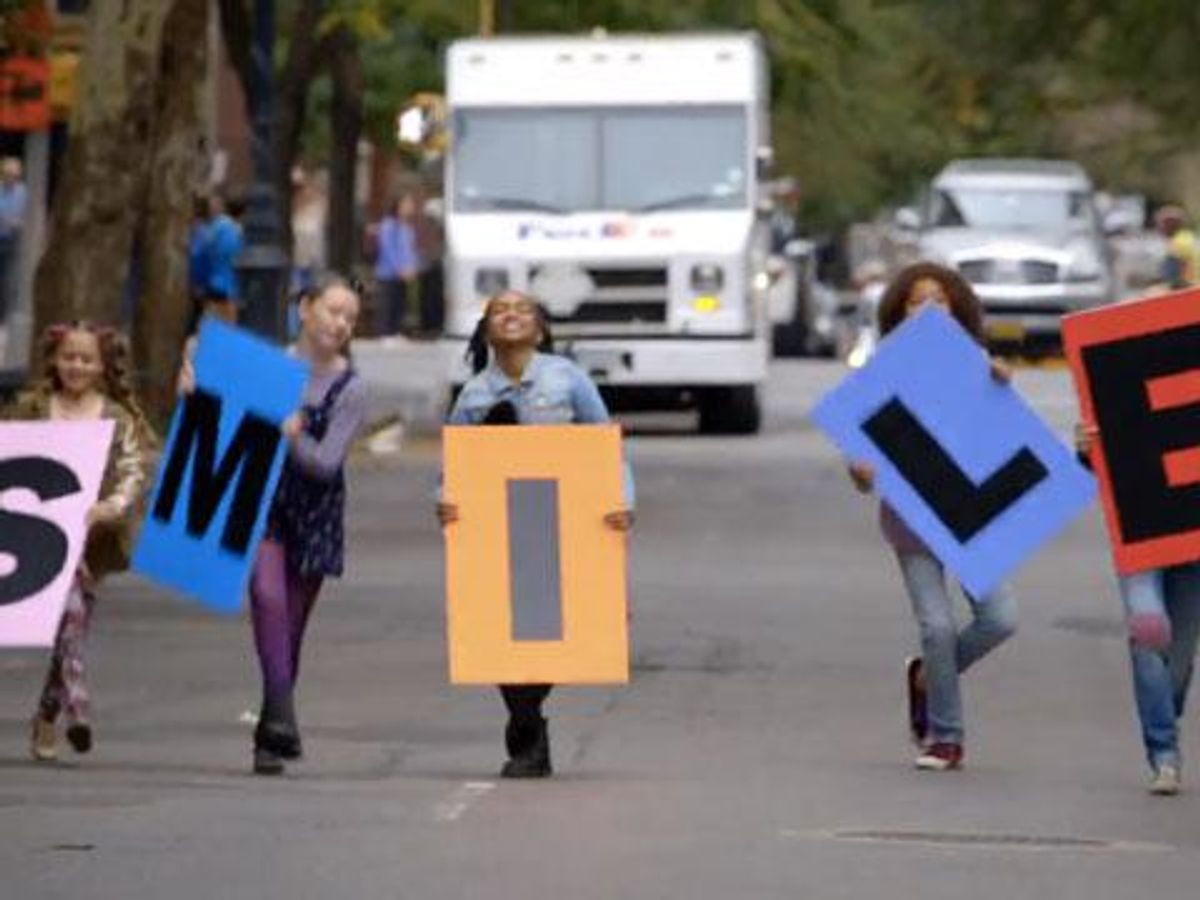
(1010,210)
(573,160)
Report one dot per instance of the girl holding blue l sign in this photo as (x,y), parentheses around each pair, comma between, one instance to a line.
(934,697)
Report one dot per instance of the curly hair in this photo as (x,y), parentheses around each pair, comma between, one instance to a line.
(964,305)
(477,346)
(116,380)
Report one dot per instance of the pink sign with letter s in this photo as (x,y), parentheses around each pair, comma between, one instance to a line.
(50,476)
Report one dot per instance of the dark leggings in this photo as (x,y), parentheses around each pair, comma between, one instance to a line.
(524,701)
(526,729)
(281,601)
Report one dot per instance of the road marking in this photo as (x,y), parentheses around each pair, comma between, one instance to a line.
(954,840)
(460,800)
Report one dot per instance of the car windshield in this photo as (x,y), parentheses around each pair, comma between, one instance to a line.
(1010,209)
(571,160)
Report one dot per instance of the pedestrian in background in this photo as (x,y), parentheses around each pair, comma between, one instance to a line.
(430,271)
(13,199)
(518,379)
(1162,621)
(396,264)
(223,244)
(85,376)
(932,679)
(1181,265)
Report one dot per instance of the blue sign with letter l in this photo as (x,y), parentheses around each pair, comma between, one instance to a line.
(962,459)
(220,467)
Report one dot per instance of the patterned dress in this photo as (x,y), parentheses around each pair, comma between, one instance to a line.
(308,513)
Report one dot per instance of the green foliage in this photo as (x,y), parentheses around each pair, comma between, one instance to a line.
(871,96)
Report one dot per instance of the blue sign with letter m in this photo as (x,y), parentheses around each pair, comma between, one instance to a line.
(218,473)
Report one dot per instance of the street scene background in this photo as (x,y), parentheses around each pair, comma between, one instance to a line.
(761,747)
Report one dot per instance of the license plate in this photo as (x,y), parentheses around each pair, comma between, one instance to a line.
(1006,331)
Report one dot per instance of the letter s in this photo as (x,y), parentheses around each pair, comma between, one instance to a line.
(40,547)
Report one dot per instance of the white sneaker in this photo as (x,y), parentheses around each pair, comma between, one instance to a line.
(1166,781)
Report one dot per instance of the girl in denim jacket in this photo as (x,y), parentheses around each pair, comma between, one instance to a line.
(519,381)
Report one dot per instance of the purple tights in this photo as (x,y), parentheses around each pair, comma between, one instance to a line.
(281,600)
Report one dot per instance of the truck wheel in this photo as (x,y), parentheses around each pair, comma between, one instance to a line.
(730,410)
(790,338)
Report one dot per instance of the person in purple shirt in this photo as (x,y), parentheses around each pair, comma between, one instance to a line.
(396,264)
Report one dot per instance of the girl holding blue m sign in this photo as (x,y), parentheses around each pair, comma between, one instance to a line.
(932,679)
(304,540)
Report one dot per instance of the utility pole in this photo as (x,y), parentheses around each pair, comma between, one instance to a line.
(263,265)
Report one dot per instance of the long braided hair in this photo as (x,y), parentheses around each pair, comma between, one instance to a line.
(477,346)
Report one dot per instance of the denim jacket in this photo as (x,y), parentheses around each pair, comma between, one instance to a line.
(552,391)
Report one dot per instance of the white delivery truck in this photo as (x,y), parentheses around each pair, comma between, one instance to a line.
(616,178)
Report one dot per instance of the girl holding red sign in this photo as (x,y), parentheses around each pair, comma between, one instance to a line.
(85,375)
(1162,617)
(932,679)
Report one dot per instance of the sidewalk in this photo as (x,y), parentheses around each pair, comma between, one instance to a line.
(406,382)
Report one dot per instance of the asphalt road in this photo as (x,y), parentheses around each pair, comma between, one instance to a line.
(760,751)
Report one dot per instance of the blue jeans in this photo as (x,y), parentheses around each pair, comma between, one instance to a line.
(945,650)
(1161,674)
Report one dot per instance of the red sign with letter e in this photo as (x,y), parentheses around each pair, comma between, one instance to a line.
(1137,371)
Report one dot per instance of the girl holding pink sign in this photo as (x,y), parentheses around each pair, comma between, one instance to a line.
(85,376)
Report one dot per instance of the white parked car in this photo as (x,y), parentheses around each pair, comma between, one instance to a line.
(1027,236)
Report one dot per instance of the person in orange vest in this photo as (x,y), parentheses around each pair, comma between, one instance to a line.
(1181,266)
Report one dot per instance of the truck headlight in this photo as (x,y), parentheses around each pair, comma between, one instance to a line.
(707,278)
(489,282)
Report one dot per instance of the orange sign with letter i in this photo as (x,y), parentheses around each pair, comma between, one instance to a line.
(1137,371)
(535,581)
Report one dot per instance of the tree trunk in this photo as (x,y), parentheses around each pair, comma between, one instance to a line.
(176,172)
(346,120)
(102,192)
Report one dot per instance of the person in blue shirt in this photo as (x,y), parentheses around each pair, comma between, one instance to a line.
(13,198)
(518,380)
(396,264)
(223,245)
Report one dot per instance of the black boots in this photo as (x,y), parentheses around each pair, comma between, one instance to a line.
(277,737)
(528,745)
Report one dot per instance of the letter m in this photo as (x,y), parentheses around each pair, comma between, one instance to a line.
(248,457)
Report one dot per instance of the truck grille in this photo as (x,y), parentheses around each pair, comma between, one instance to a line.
(999,271)
(624,300)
